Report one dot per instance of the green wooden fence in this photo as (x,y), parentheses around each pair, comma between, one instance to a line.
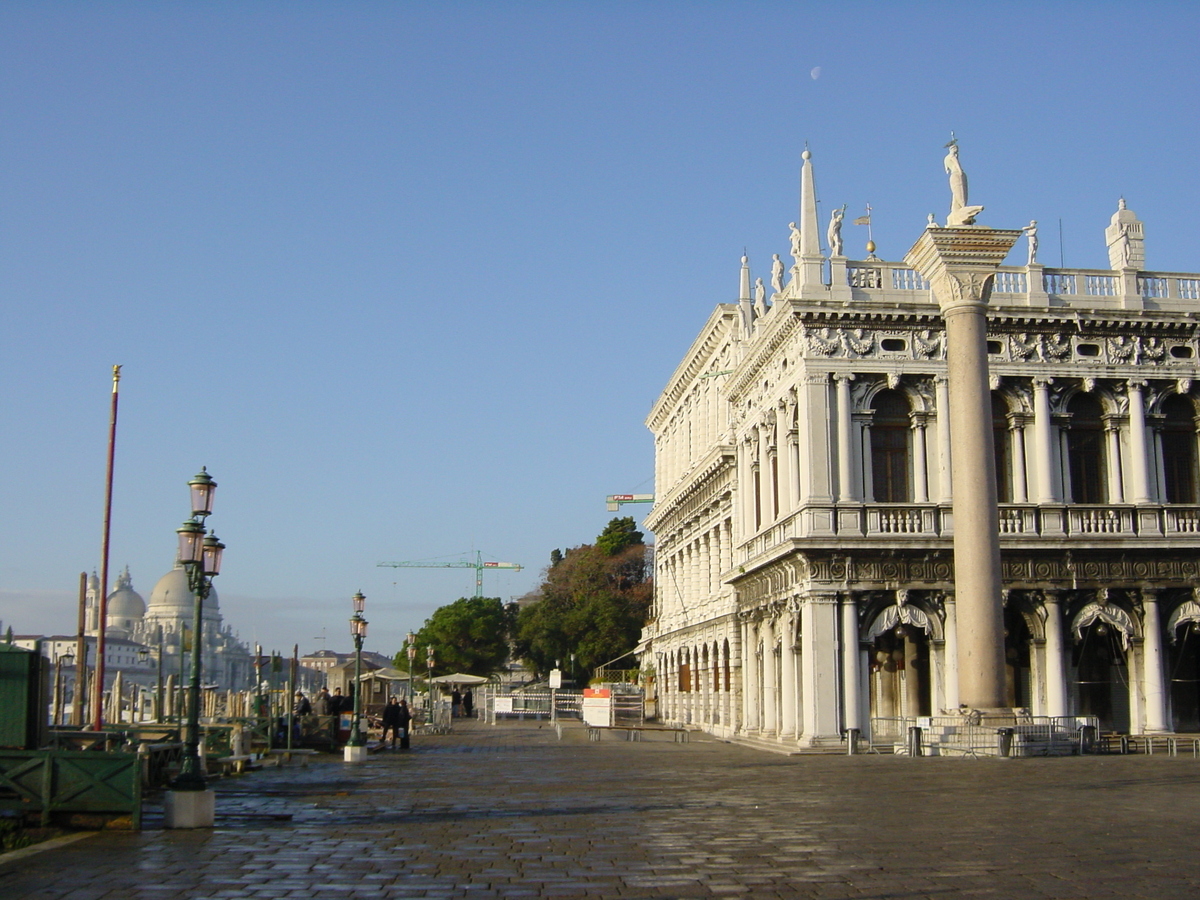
(49,781)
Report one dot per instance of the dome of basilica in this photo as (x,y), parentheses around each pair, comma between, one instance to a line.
(124,602)
(173,599)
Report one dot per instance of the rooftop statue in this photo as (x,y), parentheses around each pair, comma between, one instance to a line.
(776,273)
(834,234)
(760,297)
(1031,232)
(960,212)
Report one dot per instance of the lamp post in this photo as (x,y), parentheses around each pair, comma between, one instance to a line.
(158,684)
(67,657)
(143,655)
(412,658)
(356,748)
(429,684)
(189,802)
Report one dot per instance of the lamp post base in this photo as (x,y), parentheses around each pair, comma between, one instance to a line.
(189,809)
(354,754)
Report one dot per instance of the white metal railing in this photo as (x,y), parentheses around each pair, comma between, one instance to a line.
(983,735)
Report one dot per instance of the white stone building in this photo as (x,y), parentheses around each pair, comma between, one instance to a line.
(225,660)
(805,575)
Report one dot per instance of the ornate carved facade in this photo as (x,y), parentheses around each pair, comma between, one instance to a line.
(803,521)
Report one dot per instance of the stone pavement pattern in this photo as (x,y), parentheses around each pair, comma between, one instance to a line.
(511,811)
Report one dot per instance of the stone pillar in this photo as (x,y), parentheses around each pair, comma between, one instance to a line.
(1056,672)
(1020,483)
(1116,483)
(820,705)
(787,721)
(945,477)
(770,678)
(1137,443)
(920,475)
(1043,441)
(851,698)
(950,631)
(846,492)
(960,264)
(1152,667)
(750,676)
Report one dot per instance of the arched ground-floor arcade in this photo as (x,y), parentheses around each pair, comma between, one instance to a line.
(815,648)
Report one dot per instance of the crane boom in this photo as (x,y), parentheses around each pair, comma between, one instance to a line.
(613,501)
(478,565)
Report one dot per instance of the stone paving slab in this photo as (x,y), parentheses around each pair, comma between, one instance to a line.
(511,811)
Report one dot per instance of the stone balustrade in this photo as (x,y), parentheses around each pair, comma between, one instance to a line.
(1084,288)
(932,521)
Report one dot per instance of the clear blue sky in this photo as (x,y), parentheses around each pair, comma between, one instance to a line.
(407,277)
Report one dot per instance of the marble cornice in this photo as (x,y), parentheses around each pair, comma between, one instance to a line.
(699,490)
(762,354)
(717,333)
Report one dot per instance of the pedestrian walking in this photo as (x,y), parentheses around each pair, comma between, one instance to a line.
(405,722)
(468,703)
(391,722)
(337,703)
(455,704)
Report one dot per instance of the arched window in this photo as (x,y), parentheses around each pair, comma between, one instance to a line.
(1179,449)
(891,448)
(1002,441)
(1085,450)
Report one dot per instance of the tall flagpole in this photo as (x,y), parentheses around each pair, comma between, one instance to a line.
(101,622)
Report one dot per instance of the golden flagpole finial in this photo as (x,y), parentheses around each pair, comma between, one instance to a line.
(116,376)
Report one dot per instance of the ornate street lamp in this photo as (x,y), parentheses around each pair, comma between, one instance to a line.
(200,554)
(429,685)
(66,658)
(412,657)
(356,747)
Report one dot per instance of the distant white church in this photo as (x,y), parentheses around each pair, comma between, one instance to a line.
(226,661)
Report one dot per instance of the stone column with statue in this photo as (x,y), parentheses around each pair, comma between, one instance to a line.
(960,263)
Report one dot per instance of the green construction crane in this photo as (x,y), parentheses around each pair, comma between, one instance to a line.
(613,502)
(479,565)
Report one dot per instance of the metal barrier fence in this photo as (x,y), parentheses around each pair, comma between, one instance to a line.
(529,704)
(981,735)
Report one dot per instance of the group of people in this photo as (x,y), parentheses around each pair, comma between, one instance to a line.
(462,704)
(326,704)
(396,715)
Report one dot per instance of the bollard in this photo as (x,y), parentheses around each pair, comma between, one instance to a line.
(1004,741)
(914,741)
(852,741)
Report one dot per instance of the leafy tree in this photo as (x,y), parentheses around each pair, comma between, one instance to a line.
(619,534)
(470,635)
(594,601)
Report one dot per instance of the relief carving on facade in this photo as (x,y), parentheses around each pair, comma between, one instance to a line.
(928,344)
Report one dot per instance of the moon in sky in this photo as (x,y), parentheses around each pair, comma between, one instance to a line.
(815,73)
